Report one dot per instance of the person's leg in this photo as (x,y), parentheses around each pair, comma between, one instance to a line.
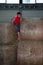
(18,31)
(19,36)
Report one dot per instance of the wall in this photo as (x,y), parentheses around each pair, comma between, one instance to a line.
(5,15)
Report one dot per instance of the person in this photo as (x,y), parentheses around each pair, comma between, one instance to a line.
(17,21)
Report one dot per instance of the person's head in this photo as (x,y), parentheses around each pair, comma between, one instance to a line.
(19,14)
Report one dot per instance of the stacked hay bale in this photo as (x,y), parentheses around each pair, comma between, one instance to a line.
(30,49)
(8,44)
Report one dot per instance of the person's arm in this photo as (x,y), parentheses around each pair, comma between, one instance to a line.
(12,19)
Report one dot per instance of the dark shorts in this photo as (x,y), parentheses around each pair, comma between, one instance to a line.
(18,27)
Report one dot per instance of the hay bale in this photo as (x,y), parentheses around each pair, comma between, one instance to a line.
(8,34)
(10,55)
(32,30)
(30,53)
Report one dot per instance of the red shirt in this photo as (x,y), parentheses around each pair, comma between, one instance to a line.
(17,20)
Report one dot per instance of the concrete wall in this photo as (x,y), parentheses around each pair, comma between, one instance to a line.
(5,15)
(35,14)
